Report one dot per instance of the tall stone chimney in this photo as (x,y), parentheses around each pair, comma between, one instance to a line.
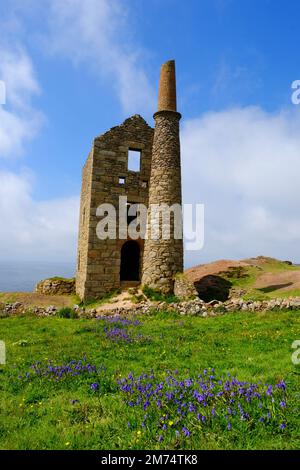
(163,257)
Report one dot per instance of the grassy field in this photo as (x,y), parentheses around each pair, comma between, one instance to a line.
(90,411)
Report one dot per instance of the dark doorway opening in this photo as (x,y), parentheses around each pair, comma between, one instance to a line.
(212,287)
(130,261)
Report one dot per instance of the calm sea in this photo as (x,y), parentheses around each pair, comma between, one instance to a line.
(23,276)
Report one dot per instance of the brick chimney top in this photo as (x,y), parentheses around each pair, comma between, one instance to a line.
(167,87)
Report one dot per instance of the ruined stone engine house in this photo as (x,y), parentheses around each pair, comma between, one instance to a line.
(142,163)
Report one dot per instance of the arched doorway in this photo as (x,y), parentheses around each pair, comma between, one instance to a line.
(130,261)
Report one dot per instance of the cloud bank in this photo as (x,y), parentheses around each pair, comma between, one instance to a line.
(35,230)
(243,164)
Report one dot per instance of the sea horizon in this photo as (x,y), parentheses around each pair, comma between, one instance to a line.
(22,276)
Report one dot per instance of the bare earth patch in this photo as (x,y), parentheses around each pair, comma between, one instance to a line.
(122,300)
(197,272)
(282,281)
(32,299)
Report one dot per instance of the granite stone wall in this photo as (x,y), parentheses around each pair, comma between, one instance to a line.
(163,258)
(98,270)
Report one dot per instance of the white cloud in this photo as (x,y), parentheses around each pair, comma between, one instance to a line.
(19,121)
(35,230)
(96,33)
(16,70)
(244,165)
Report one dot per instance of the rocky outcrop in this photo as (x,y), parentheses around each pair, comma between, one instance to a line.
(56,286)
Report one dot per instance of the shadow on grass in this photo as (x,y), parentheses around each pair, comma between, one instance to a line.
(268,289)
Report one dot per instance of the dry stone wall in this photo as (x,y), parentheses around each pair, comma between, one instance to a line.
(195,307)
(56,286)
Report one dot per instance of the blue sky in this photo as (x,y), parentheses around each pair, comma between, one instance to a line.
(74,68)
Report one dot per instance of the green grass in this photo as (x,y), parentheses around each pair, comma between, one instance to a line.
(290,293)
(264,294)
(67,312)
(8,297)
(39,415)
(157,296)
(94,303)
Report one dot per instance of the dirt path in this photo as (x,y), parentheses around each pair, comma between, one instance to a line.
(33,299)
(123,300)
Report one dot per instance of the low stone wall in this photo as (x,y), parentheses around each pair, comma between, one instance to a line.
(292,303)
(195,307)
(56,286)
(184,288)
(18,308)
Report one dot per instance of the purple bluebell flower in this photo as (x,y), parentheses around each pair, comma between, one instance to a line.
(95,386)
(146,404)
(182,396)
(269,390)
(281,385)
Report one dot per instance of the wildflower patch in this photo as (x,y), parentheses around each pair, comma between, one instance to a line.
(176,408)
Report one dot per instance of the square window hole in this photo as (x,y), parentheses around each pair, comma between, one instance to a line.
(121,180)
(134,160)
